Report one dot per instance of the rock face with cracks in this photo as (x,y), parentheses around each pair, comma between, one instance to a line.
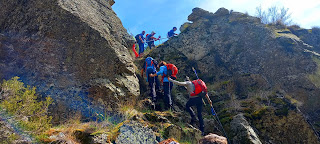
(246,134)
(74,51)
(243,60)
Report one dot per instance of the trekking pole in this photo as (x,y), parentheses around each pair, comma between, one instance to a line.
(194,70)
(215,114)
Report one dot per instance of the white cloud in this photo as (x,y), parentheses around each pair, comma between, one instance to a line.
(304,13)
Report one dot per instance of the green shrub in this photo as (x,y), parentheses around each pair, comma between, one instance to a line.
(226,120)
(247,110)
(225,82)
(259,113)
(248,116)
(282,111)
(21,103)
(278,101)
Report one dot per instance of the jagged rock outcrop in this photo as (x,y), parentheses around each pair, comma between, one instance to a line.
(70,50)
(245,133)
(311,36)
(244,60)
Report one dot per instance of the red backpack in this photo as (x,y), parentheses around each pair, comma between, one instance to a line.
(199,86)
(172,70)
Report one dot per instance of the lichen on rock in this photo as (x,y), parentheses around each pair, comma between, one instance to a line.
(134,133)
(65,48)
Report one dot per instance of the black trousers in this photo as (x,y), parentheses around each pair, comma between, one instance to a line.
(198,103)
(167,87)
(154,86)
(167,94)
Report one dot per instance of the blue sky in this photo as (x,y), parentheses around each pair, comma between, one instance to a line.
(161,15)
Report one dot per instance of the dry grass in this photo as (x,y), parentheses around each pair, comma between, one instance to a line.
(108,126)
(68,129)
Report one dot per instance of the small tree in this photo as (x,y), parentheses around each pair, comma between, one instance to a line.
(274,15)
(22,103)
(262,15)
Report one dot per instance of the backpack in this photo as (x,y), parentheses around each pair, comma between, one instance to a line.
(150,67)
(172,70)
(148,37)
(137,38)
(199,86)
(170,33)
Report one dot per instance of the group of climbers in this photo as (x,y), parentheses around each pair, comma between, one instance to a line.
(166,71)
(149,39)
(197,89)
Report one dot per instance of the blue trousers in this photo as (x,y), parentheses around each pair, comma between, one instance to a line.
(141,48)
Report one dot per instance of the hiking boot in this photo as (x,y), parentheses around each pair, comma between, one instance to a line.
(202,130)
(171,108)
(193,120)
(153,105)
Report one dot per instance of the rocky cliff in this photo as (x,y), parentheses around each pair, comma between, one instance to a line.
(309,36)
(251,68)
(263,79)
(73,51)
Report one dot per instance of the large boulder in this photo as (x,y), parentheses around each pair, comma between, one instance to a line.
(187,133)
(74,51)
(136,133)
(213,139)
(244,132)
